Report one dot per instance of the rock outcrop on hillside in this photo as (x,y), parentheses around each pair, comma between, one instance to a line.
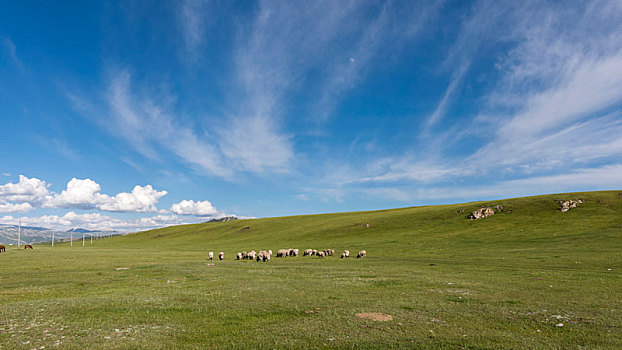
(224,219)
(481,213)
(569,204)
(485,212)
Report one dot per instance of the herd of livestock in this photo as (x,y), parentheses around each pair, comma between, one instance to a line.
(265,255)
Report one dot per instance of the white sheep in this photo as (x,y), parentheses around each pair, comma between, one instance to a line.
(346,254)
(296,252)
(238,256)
(361,254)
(210,255)
(307,252)
(221,255)
(321,254)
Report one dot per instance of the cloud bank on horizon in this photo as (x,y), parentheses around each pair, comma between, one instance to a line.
(274,108)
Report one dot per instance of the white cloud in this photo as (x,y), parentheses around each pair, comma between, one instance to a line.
(142,199)
(247,143)
(82,194)
(456,81)
(559,85)
(587,179)
(198,208)
(11,51)
(97,221)
(145,124)
(192,19)
(15,207)
(27,190)
(79,194)
(254,145)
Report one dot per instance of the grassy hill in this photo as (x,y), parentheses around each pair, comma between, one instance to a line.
(504,281)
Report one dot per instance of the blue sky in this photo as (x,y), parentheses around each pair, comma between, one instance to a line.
(140,114)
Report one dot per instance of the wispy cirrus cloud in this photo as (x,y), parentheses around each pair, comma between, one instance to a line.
(193,18)
(584,179)
(549,122)
(147,124)
(10,51)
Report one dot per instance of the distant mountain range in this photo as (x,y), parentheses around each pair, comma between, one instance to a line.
(80,230)
(32,234)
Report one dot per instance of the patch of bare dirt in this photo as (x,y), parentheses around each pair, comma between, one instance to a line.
(243,229)
(374,316)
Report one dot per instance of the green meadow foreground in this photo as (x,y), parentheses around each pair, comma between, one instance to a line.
(507,281)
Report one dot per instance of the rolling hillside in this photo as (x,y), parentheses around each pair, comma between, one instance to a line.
(531,222)
(529,276)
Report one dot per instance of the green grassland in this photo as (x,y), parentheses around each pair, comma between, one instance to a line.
(504,281)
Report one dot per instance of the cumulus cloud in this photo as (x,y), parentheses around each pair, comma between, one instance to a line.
(15,207)
(85,194)
(98,221)
(27,190)
(142,199)
(198,208)
(81,194)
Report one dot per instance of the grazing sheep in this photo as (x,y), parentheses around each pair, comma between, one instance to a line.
(238,256)
(252,255)
(221,255)
(267,256)
(210,255)
(244,255)
(280,253)
(307,252)
(295,253)
(321,254)
(263,256)
(314,252)
(270,252)
(346,254)
(361,254)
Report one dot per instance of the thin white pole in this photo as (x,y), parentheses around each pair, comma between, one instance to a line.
(19,234)
(52,238)
(91,239)
(83,239)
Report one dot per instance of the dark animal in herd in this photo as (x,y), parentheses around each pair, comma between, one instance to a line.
(2,248)
(27,246)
